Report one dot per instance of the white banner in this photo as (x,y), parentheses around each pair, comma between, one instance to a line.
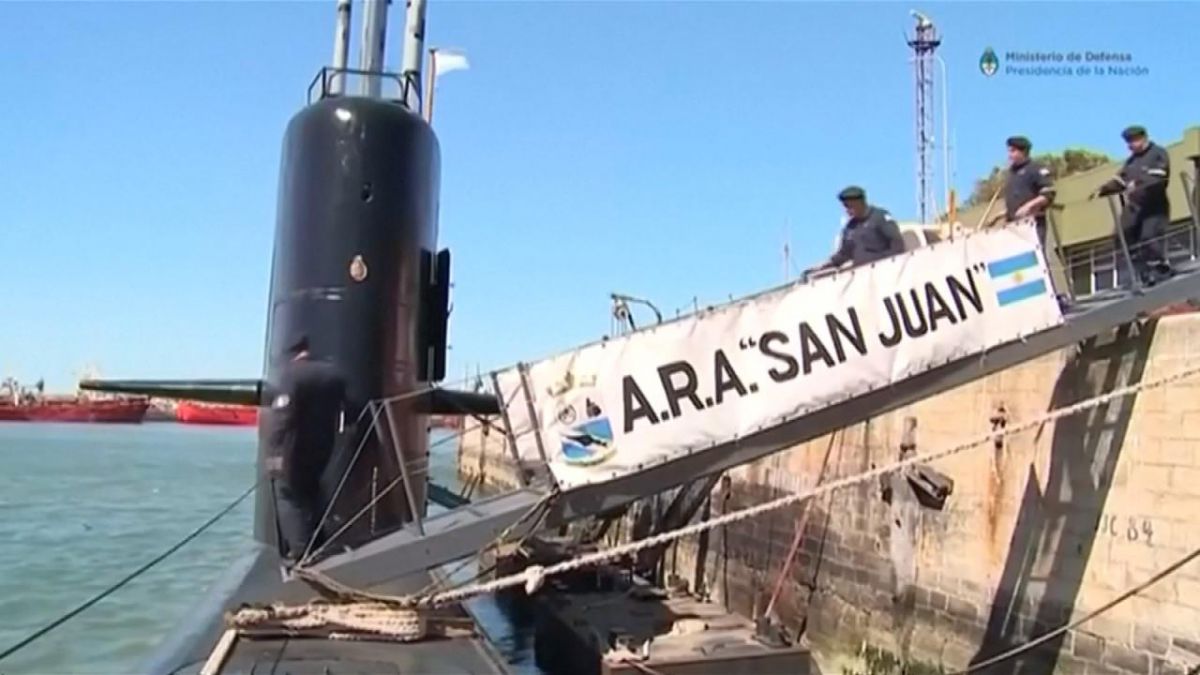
(689,385)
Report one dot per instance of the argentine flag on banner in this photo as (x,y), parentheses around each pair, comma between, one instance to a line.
(1016,278)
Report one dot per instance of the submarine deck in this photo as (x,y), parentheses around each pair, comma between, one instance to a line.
(307,656)
(257,579)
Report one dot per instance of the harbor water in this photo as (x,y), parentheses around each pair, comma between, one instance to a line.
(83,505)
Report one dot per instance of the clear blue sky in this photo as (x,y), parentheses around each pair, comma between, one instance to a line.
(655,148)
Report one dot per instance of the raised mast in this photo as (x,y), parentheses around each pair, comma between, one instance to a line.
(371,51)
(414,47)
(341,48)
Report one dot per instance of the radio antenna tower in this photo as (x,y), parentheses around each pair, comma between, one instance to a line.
(924,42)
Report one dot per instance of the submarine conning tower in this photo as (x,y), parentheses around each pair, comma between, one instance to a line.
(355,269)
(356,224)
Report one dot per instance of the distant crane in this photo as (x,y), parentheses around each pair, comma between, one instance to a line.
(924,44)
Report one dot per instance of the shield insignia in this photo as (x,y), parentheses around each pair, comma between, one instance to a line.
(358,268)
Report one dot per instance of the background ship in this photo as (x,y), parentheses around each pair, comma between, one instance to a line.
(192,412)
(31,404)
(128,410)
(448,422)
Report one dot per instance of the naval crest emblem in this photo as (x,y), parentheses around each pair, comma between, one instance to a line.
(358,268)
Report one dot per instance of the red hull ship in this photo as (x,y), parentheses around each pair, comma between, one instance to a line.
(450,422)
(189,412)
(122,411)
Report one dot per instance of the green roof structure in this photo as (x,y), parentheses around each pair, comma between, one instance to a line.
(1080,220)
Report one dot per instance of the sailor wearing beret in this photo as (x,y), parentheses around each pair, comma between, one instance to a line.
(869,235)
(1028,192)
(1143,179)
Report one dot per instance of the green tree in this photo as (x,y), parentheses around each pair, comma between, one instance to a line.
(1069,162)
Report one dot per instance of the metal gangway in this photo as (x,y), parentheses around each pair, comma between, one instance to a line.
(464,530)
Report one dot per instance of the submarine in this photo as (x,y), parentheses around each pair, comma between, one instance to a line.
(357,272)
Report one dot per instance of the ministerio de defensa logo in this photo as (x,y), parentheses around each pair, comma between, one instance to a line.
(989,63)
(1053,63)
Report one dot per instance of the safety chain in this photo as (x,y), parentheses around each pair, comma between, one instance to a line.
(533,576)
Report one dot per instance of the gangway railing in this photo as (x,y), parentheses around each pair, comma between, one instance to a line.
(1115,205)
(1059,255)
(1190,189)
(461,532)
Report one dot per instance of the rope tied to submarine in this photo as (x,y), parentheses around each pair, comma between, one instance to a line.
(534,576)
(367,613)
(373,618)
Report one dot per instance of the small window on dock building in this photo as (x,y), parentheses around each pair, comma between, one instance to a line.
(1097,266)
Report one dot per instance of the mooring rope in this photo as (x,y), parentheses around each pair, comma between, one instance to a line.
(533,576)
(377,618)
(1050,635)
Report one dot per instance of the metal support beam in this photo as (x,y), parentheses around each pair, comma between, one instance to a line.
(533,417)
(414,509)
(599,526)
(448,536)
(510,439)
(680,511)
(1191,187)
(1052,222)
(1134,282)
(445,497)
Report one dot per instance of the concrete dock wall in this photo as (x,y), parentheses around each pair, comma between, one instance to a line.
(1042,529)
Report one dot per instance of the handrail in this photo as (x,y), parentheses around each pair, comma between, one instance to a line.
(1135,283)
(1190,190)
(327,73)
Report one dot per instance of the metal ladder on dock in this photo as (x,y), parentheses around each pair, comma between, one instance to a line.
(463,531)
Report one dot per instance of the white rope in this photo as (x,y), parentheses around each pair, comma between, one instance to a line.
(533,576)
(373,618)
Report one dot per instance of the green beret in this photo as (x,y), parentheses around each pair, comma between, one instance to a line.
(852,192)
(1019,143)
(1135,131)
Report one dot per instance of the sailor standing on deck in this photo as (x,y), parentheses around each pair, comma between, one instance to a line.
(1028,192)
(305,421)
(871,234)
(1144,179)
(1029,188)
